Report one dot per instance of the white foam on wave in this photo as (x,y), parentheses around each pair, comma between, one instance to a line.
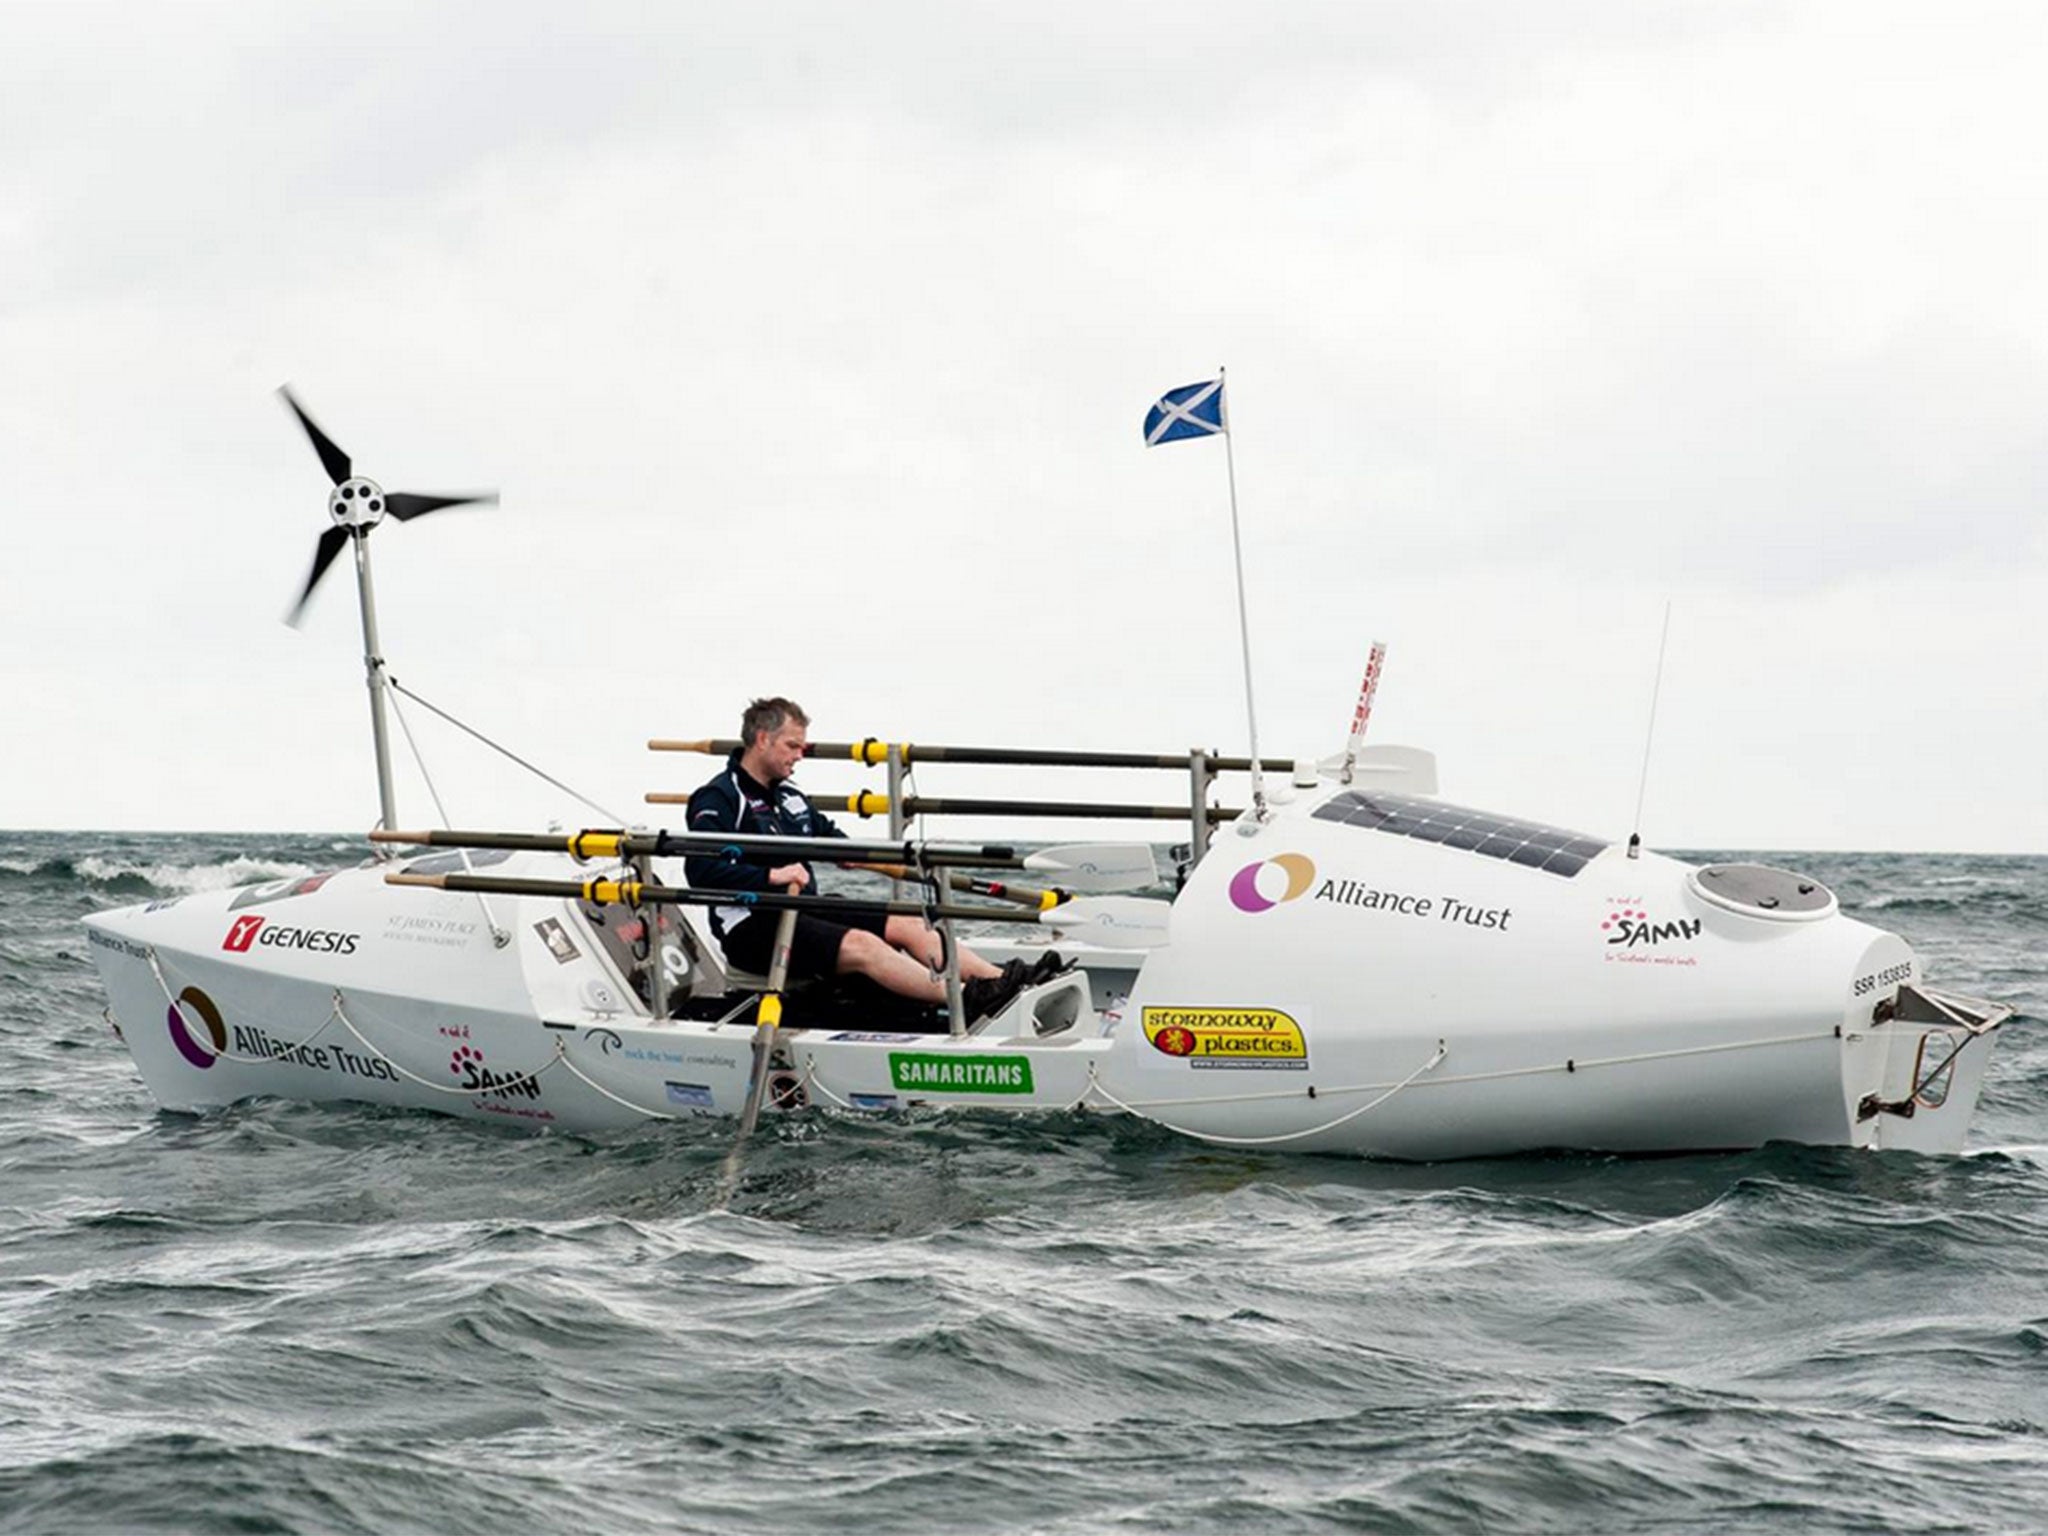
(1908,899)
(240,870)
(2025,1152)
(1950,893)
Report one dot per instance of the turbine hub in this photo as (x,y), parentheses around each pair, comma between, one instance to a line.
(357,503)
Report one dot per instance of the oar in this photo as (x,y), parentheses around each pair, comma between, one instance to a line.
(1075,866)
(1097,866)
(769,1016)
(614,844)
(1082,913)
(1022,895)
(764,1041)
(867,803)
(1088,867)
(872,752)
(1114,922)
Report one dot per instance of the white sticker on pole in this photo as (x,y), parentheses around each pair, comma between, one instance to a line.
(1367,690)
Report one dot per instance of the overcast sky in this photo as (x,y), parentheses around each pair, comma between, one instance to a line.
(809,346)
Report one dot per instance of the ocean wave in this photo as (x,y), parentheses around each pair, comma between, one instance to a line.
(31,867)
(1988,902)
(132,877)
(1967,893)
(1912,903)
(62,872)
(2033,1154)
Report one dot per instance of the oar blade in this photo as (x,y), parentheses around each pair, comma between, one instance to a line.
(1097,866)
(1114,922)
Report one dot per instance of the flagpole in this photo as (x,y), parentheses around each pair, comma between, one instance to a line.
(1244,629)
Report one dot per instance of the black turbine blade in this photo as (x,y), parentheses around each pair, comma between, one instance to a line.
(323,556)
(333,458)
(405,506)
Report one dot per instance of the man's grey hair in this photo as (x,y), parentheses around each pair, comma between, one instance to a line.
(769,715)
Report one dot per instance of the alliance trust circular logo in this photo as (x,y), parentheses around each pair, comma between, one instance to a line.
(1251,886)
(209,1018)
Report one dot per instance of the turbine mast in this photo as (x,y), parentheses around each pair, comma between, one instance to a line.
(373,667)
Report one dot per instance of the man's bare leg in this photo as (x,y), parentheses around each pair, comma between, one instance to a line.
(863,954)
(917,938)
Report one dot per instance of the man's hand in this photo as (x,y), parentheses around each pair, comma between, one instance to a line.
(794,876)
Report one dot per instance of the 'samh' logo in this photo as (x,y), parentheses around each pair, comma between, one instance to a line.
(1245,886)
(242,935)
(1629,926)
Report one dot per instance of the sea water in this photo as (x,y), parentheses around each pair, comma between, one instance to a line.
(279,1317)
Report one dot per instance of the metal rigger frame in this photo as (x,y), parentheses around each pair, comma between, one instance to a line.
(898,758)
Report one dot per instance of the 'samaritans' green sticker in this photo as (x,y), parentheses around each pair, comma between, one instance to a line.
(935,1073)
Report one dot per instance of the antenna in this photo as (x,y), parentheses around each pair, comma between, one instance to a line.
(1635,838)
(1362,716)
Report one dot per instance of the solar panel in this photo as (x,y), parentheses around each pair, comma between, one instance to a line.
(1550,849)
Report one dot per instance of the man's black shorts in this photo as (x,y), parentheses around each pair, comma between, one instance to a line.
(813,950)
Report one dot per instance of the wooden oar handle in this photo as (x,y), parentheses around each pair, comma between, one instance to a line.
(1044,899)
(893,871)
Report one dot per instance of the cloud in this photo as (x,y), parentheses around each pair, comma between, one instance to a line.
(809,348)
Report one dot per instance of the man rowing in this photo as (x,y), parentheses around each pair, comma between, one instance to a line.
(755,795)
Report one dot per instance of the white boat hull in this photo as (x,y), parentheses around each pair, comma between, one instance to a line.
(1326,989)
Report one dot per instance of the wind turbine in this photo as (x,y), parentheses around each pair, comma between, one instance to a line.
(357,505)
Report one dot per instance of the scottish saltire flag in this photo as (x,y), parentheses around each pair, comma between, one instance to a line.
(1193,410)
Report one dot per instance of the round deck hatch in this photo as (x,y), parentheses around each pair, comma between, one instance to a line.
(1758,890)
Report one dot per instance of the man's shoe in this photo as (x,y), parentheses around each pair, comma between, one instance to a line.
(1048,965)
(986,996)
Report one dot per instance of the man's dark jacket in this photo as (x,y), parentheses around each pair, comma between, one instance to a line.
(736,801)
